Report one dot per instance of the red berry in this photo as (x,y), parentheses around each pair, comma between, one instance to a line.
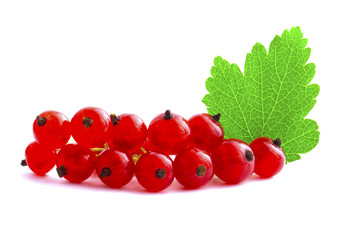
(39,159)
(168,133)
(269,157)
(233,161)
(128,132)
(51,129)
(90,127)
(75,162)
(206,131)
(193,168)
(154,171)
(114,168)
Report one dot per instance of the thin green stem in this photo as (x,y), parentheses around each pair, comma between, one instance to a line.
(143,150)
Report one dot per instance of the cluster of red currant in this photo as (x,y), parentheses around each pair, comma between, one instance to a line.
(118,147)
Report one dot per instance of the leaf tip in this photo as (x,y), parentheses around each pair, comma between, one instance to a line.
(218,59)
(295,28)
(259,48)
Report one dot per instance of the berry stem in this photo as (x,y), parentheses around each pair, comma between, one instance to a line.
(136,157)
(61,171)
(23,163)
(105,172)
(168,115)
(200,171)
(41,121)
(249,155)
(143,150)
(216,117)
(98,149)
(160,173)
(277,142)
(115,119)
(87,122)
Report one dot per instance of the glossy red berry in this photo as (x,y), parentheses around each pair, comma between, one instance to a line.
(128,132)
(233,161)
(51,129)
(39,158)
(90,127)
(269,156)
(75,163)
(206,131)
(114,168)
(193,168)
(168,133)
(154,171)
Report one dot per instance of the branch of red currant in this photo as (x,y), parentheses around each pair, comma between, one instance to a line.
(131,149)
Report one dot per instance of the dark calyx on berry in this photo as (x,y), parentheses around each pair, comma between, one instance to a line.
(23,163)
(87,122)
(277,142)
(41,121)
(61,171)
(105,172)
(115,119)
(249,155)
(216,117)
(201,170)
(160,173)
(168,115)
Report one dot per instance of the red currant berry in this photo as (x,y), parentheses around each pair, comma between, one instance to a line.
(269,157)
(168,133)
(128,132)
(75,163)
(206,131)
(51,129)
(114,168)
(39,159)
(154,171)
(233,161)
(90,127)
(193,168)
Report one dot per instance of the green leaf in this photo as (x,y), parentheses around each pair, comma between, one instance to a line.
(272,97)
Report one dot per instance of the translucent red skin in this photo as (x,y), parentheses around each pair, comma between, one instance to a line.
(185,165)
(40,159)
(97,134)
(269,159)
(129,134)
(55,133)
(206,133)
(78,160)
(146,167)
(230,164)
(169,136)
(121,167)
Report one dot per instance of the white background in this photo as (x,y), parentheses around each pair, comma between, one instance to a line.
(144,57)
